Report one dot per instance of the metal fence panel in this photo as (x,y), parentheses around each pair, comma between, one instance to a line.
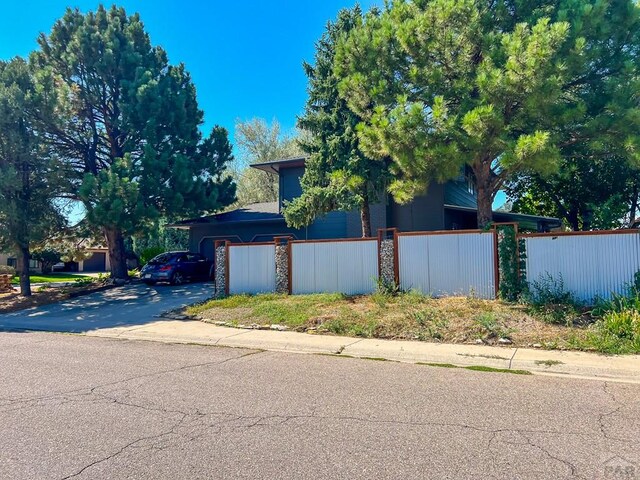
(325,267)
(448,264)
(589,266)
(252,269)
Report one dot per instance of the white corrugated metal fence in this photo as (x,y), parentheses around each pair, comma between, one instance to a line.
(252,269)
(589,265)
(448,264)
(349,267)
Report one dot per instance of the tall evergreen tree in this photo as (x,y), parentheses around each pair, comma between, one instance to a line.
(338,175)
(29,175)
(129,127)
(505,87)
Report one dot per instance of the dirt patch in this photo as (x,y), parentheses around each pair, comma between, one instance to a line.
(13,302)
(407,316)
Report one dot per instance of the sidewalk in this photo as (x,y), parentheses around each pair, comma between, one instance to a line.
(543,362)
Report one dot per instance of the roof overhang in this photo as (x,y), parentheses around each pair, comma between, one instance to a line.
(276,165)
(531,222)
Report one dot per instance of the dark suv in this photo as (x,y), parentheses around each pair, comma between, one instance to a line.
(177,268)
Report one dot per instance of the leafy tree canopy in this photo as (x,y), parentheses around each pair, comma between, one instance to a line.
(505,87)
(29,175)
(128,126)
(258,142)
(338,175)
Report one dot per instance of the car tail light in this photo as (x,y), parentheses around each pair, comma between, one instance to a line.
(166,268)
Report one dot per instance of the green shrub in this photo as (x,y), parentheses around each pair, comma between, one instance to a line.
(617,332)
(548,299)
(617,329)
(491,326)
(624,324)
(83,281)
(387,288)
(149,253)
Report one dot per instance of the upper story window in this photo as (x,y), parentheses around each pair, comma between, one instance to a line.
(468,180)
(471,184)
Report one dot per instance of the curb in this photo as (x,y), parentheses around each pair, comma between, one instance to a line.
(569,364)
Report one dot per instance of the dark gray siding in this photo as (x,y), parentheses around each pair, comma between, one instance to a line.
(202,237)
(457,193)
(332,225)
(424,213)
(378,212)
(290,187)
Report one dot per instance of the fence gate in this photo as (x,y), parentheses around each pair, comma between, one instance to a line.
(442,264)
(349,267)
(252,269)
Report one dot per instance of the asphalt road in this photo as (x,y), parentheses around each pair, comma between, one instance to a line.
(134,304)
(94,408)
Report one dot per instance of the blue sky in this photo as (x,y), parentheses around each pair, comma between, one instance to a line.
(245,56)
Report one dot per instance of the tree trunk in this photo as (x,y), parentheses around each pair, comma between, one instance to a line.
(117,254)
(365,217)
(634,205)
(485,187)
(573,219)
(25,281)
(485,207)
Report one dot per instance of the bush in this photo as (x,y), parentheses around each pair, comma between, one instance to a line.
(548,299)
(491,326)
(624,324)
(83,282)
(7,270)
(149,253)
(617,332)
(617,329)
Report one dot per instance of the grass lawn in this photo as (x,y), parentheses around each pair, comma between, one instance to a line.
(52,278)
(409,316)
(412,316)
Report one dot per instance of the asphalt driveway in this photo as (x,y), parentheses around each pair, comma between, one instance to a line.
(129,305)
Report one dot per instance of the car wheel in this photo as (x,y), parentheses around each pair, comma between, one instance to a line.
(177,279)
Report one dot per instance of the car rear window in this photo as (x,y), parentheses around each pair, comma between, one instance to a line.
(161,259)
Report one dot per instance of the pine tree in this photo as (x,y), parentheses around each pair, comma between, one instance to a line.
(129,127)
(506,87)
(338,175)
(29,174)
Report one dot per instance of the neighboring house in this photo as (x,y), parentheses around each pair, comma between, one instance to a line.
(12,261)
(97,258)
(98,261)
(448,206)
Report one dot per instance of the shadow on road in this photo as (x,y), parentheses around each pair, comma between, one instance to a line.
(129,305)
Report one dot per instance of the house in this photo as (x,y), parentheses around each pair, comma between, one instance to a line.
(448,206)
(12,261)
(95,259)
